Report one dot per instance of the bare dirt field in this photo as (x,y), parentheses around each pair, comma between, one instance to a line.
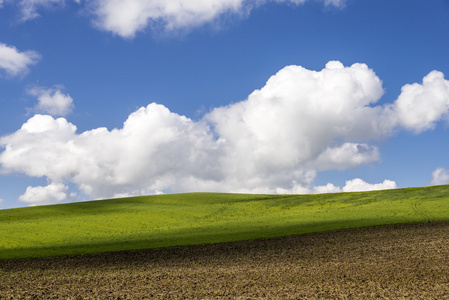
(400,262)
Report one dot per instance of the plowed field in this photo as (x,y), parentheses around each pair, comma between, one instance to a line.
(400,261)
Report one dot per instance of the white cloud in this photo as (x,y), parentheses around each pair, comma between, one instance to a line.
(52,101)
(14,62)
(355,185)
(155,150)
(420,106)
(298,118)
(51,194)
(328,188)
(440,176)
(346,156)
(125,18)
(301,122)
(358,185)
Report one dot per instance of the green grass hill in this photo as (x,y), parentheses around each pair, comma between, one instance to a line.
(200,218)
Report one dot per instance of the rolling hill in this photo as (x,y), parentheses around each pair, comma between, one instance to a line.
(202,218)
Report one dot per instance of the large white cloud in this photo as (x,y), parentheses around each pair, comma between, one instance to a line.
(440,176)
(153,151)
(300,123)
(13,62)
(40,195)
(52,101)
(301,119)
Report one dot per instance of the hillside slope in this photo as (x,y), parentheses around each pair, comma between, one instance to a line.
(201,218)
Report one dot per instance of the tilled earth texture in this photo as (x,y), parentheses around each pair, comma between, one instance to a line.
(399,262)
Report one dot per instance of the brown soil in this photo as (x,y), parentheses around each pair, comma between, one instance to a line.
(400,262)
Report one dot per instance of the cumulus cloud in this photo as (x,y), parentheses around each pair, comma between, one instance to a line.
(420,106)
(52,101)
(299,116)
(300,123)
(13,62)
(51,194)
(358,185)
(440,176)
(125,18)
(155,150)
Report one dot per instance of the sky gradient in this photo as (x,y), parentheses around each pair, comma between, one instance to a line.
(107,98)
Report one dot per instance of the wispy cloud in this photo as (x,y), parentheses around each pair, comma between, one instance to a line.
(29,8)
(300,123)
(13,62)
(440,176)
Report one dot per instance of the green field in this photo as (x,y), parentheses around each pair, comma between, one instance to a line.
(199,218)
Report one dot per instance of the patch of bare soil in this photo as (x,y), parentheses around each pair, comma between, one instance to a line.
(400,262)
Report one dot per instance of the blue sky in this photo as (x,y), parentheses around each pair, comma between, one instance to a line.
(226,95)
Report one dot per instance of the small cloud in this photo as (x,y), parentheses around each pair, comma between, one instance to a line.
(52,101)
(440,176)
(51,194)
(336,3)
(420,106)
(14,62)
(328,188)
(358,185)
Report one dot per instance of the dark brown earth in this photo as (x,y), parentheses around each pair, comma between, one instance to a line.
(400,262)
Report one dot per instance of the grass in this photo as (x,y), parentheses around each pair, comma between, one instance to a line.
(202,218)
